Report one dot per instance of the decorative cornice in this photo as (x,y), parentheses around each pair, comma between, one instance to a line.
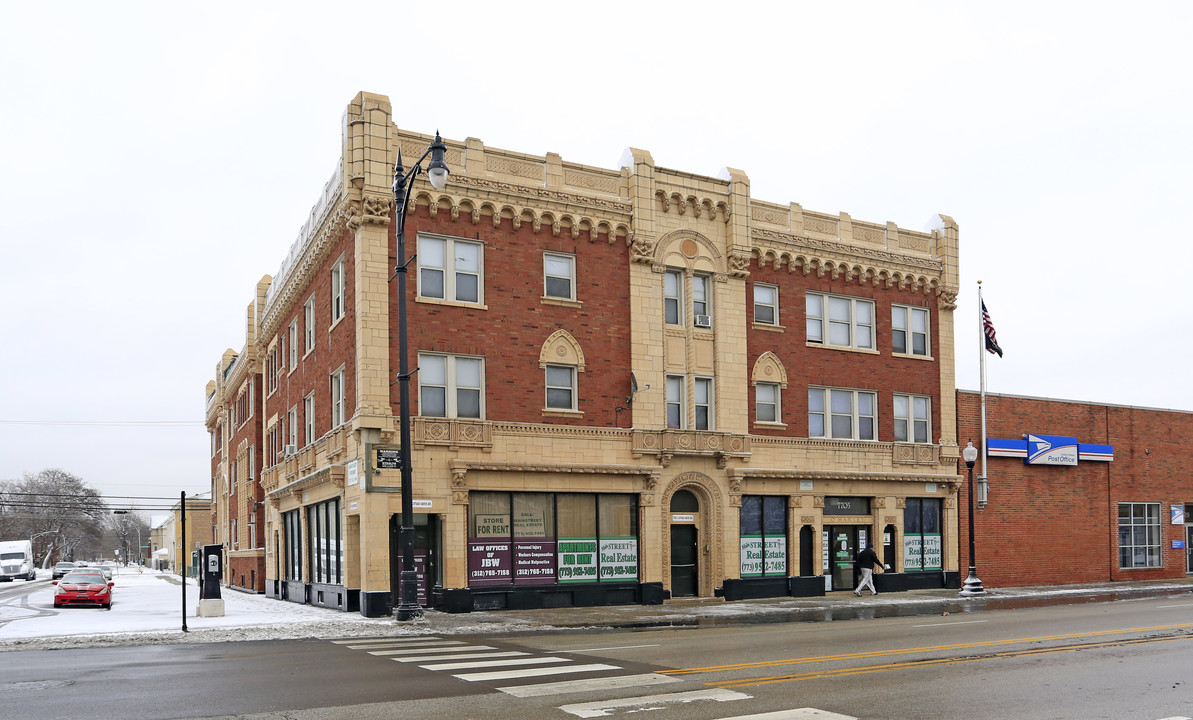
(794,243)
(789,473)
(542,193)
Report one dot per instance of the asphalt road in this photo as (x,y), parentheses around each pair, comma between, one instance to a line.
(1121,660)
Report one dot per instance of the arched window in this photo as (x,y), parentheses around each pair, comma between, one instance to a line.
(684,501)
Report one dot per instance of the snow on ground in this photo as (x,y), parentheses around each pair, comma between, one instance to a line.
(147,610)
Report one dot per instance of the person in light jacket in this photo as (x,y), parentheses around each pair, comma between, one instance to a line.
(866,560)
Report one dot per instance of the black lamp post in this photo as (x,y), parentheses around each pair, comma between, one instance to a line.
(408,607)
(973,586)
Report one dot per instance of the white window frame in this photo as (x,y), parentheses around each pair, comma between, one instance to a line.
(553,274)
(338,294)
(773,403)
(336,389)
(445,265)
(701,296)
(293,344)
(827,412)
(438,372)
(902,322)
(308,416)
(908,419)
(555,389)
(676,407)
(703,397)
(309,325)
(772,303)
(1152,545)
(823,318)
(292,426)
(673,297)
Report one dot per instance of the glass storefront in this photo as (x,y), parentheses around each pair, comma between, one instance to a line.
(922,543)
(547,538)
(763,535)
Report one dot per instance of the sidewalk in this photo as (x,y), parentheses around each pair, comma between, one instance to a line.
(147,610)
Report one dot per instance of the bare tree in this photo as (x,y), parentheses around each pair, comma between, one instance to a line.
(130,532)
(57,510)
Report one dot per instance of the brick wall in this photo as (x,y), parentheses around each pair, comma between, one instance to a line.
(1056,525)
(511,332)
(821,365)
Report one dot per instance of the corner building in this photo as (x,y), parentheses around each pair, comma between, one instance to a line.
(633,384)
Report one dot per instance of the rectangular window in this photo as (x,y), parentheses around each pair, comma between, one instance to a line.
(235,534)
(309,324)
(535,538)
(561,387)
(294,343)
(292,425)
(913,418)
(675,403)
(324,549)
(1139,535)
(450,386)
(701,300)
(702,403)
(308,416)
(337,290)
(840,321)
(292,527)
(763,535)
(559,276)
(923,550)
(673,297)
(909,330)
(842,414)
(450,269)
(766,403)
(337,398)
(766,304)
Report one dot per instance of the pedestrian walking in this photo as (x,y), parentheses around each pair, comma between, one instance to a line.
(866,560)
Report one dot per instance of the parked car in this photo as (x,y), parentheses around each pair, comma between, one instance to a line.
(105,569)
(61,569)
(83,588)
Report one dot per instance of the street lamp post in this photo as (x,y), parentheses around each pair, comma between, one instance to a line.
(973,586)
(408,607)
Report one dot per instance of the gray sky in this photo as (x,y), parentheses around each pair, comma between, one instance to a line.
(156,160)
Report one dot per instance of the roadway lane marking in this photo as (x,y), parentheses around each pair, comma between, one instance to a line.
(495,663)
(572,686)
(1165,607)
(929,648)
(950,624)
(532,672)
(383,641)
(431,658)
(619,647)
(602,708)
(794,714)
(425,650)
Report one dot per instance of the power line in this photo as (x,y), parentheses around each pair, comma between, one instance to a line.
(110,423)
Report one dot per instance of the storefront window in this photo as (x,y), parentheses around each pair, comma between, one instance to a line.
(323,529)
(763,535)
(922,547)
(536,538)
(292,524)
(1138,535)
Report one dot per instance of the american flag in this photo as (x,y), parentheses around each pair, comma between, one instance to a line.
(988,329)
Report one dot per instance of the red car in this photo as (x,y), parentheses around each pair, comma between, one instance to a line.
(83,588)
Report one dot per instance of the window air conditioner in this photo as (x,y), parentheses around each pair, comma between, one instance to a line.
(290,450)
(703,321)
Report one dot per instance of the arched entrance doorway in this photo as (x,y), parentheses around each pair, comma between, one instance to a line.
(692,547)
(685,543)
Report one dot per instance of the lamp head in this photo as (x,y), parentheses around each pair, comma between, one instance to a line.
(970,454)
(437,171)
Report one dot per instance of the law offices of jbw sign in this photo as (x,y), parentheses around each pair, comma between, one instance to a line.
(633,384)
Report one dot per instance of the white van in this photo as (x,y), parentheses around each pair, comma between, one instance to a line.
(16,561)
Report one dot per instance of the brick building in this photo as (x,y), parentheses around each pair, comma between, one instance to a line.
(632,383)
(1115,511)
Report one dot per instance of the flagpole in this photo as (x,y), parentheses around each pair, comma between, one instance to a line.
(983,486)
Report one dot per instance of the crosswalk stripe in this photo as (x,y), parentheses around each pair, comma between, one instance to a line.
(794,714)
(431,649)
(601,708)
(495,663)
(532,672)
(433,643)
(431,658)
(386,641)
(575,686)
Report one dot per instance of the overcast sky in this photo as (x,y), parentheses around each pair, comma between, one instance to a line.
(157,159)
